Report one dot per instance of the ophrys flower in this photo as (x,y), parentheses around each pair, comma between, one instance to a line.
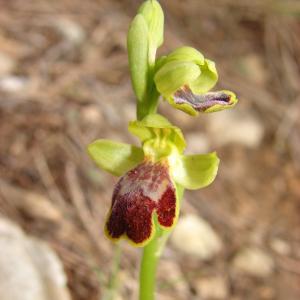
(146,194)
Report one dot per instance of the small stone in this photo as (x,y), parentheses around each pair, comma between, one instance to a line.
(91,114)
(194,236)
(29,269)
(13,84)
(234,127)
(70,30)
(7,64)
(280,246)
(212,288)
(254,261)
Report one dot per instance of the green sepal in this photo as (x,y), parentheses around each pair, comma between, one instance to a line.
(173,75)
(115,158)
(137,45)
(186,54)
(154,17)
(195,171)
(155,127)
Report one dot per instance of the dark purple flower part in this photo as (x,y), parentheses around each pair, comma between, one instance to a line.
(138,194)
(201,102)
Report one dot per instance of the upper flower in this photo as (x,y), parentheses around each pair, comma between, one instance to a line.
(147,192)
(184,78)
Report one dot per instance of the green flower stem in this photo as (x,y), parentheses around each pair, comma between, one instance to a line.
(149,105)
(151,256)
(149,264)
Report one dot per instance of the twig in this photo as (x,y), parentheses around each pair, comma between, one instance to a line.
(47,179)
(83,213)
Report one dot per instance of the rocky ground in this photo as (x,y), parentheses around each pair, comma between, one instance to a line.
(64,82)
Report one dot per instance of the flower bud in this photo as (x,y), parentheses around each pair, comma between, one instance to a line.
(154,17)
(145,35)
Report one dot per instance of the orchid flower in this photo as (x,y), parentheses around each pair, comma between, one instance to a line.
(146,193)
(184,78)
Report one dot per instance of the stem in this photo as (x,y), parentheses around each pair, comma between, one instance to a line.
(151,255)
(148,269)
(149,106)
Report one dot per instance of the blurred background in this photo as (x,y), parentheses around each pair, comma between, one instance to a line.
(64,82)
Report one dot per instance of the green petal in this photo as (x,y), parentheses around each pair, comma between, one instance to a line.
(207,79)
(157,128)
(115,158)
(137,44)
(195,171)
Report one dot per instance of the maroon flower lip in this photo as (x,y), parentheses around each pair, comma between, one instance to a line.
(138,194)
(200,102)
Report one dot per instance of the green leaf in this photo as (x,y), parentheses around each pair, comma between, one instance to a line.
(137,45)
(156,127)
(154,17)
(195,171)
(115,158)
